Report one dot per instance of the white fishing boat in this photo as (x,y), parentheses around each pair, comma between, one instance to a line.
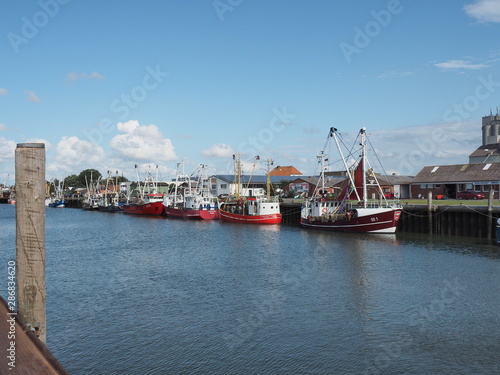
(250,209)
(192,202)
(56,199)
(110,201)
(351,210)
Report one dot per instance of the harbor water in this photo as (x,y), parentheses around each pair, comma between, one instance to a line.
(149,295)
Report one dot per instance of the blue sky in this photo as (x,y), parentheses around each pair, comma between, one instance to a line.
(112,84)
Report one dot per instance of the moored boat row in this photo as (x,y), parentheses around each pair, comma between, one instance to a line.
(196,202)
(347,209)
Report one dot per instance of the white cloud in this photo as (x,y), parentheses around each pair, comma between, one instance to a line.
(73,153)
(3,126)
(3,91)
(459,64)
(484,10)
(32,97)
(7,149)
(403,150)
(39,140)
(218,151)
(407,150)
(72,76)
(142,142)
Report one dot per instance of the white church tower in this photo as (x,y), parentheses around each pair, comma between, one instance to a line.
(489,152)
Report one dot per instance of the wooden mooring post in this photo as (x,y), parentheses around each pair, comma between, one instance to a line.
(429,211)
(30,235)
(490,213)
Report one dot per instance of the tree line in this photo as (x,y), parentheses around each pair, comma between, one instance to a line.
(86,177)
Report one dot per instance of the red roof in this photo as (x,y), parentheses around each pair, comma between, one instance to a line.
(285,171)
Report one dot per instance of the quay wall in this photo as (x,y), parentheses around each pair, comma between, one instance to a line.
(74,202)
(462,220)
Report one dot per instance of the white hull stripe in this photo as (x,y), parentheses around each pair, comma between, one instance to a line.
(378,223)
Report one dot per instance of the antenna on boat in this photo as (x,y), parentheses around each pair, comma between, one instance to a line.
(363,160)
(349,174)
(268,162)
(238,176)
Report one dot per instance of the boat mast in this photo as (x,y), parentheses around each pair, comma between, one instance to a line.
(269,162)
(202,180)
(141,192)
(116,190)
(155,182)
(363,160)
(238,177)
(177,180)
(321,158)
(106,191)
(333,133)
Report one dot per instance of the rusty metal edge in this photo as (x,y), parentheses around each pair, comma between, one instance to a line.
(44,351)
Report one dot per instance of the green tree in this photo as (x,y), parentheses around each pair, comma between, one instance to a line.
(72,181)
(122,179)
(87,176)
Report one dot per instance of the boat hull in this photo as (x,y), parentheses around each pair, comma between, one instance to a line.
(155,208)
(90,208)
(250,219)
(58,204)
(369,221)
(111,208)
(192,214)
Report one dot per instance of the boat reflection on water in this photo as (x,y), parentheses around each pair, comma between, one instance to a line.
(264,299)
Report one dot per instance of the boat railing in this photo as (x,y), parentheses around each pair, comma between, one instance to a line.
(384,203)
(371,203)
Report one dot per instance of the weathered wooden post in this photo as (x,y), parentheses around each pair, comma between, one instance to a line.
(30,235)
(429,210)
(490,212)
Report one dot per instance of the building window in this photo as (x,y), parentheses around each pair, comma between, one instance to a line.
(223,186)
(423,186)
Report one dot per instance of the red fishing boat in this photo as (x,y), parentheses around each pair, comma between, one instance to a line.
(190,202)
(147,200)
(260,209)
(351,211)
(251,210)
(149,204)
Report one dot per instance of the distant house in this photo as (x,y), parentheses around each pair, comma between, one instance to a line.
(285,171)
(489,151)
(306,186)
(447,180)
(395,185)
(486,154)
(301,186)
(252,185)
(392,186)
(481,175)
